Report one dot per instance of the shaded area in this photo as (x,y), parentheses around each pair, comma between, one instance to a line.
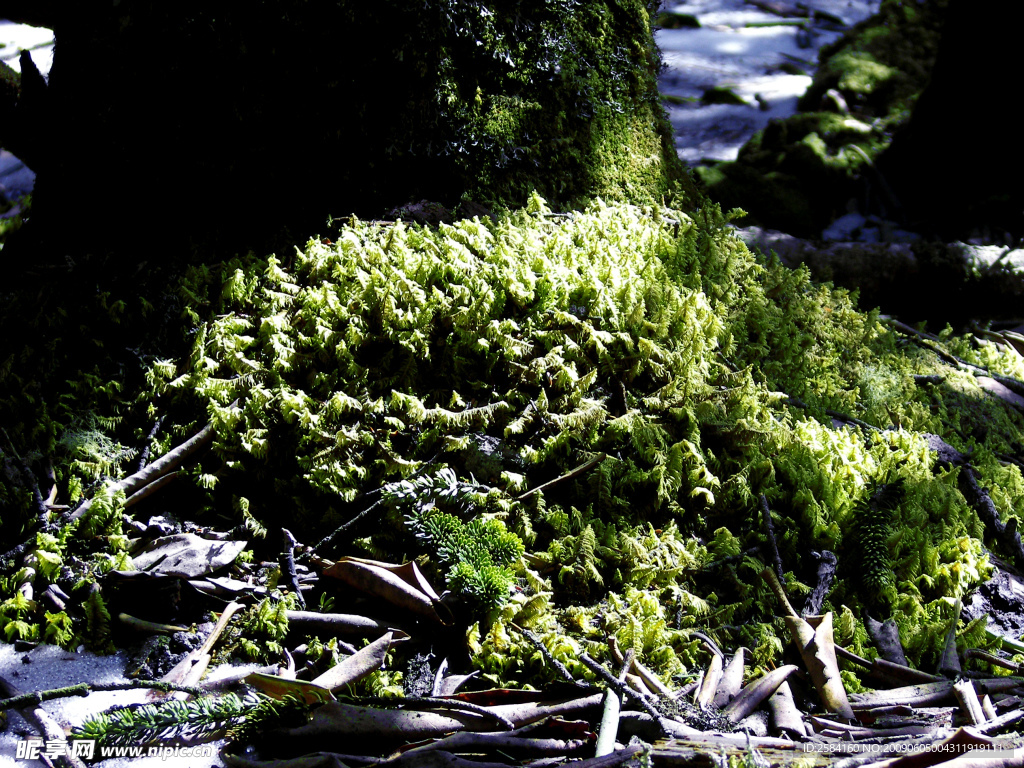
(214,127)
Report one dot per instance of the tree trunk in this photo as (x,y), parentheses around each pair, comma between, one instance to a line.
(194,123)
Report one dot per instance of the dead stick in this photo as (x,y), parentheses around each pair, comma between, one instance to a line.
(287,563)
(166,463)
(559,666)
(149,490)
(567,476)
(144,456)
(769,532)
(978,498)
(17,701)
(622,688)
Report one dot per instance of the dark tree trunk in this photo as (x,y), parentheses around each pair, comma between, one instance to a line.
(168,125)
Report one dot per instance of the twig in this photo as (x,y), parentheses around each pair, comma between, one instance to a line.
(17,701)
(329,538)
(1006,533)
(287,561)
(851,419)
(619,686)
(559,666)
(769,532)
(166,463)
(608,729)
(144,456)
(567,476)
(711,644)
(931,342)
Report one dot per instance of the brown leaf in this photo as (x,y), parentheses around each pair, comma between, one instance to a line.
(186,555)
(401,585)
(279,687)
(360,664)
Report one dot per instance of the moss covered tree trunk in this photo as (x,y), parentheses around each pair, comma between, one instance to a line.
(195,121)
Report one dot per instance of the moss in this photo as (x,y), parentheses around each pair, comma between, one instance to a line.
(647,342)
(883,62)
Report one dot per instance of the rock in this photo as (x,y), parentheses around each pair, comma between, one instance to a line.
(1002,598)
(844,228)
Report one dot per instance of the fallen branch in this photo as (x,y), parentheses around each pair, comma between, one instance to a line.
(1005,533)
(162,466)
(576,472)
(620,686)
(558,666)
(149,490)
(287,562)
(19,700)
(144,453)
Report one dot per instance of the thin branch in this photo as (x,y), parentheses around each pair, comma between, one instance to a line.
(769,532)
(329,538)
(162,466)
(558,666)
(287,563)
(144,455)
(567,476)
(84,689)
(620,687)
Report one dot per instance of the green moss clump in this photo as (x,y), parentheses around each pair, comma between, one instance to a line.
(688,374)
